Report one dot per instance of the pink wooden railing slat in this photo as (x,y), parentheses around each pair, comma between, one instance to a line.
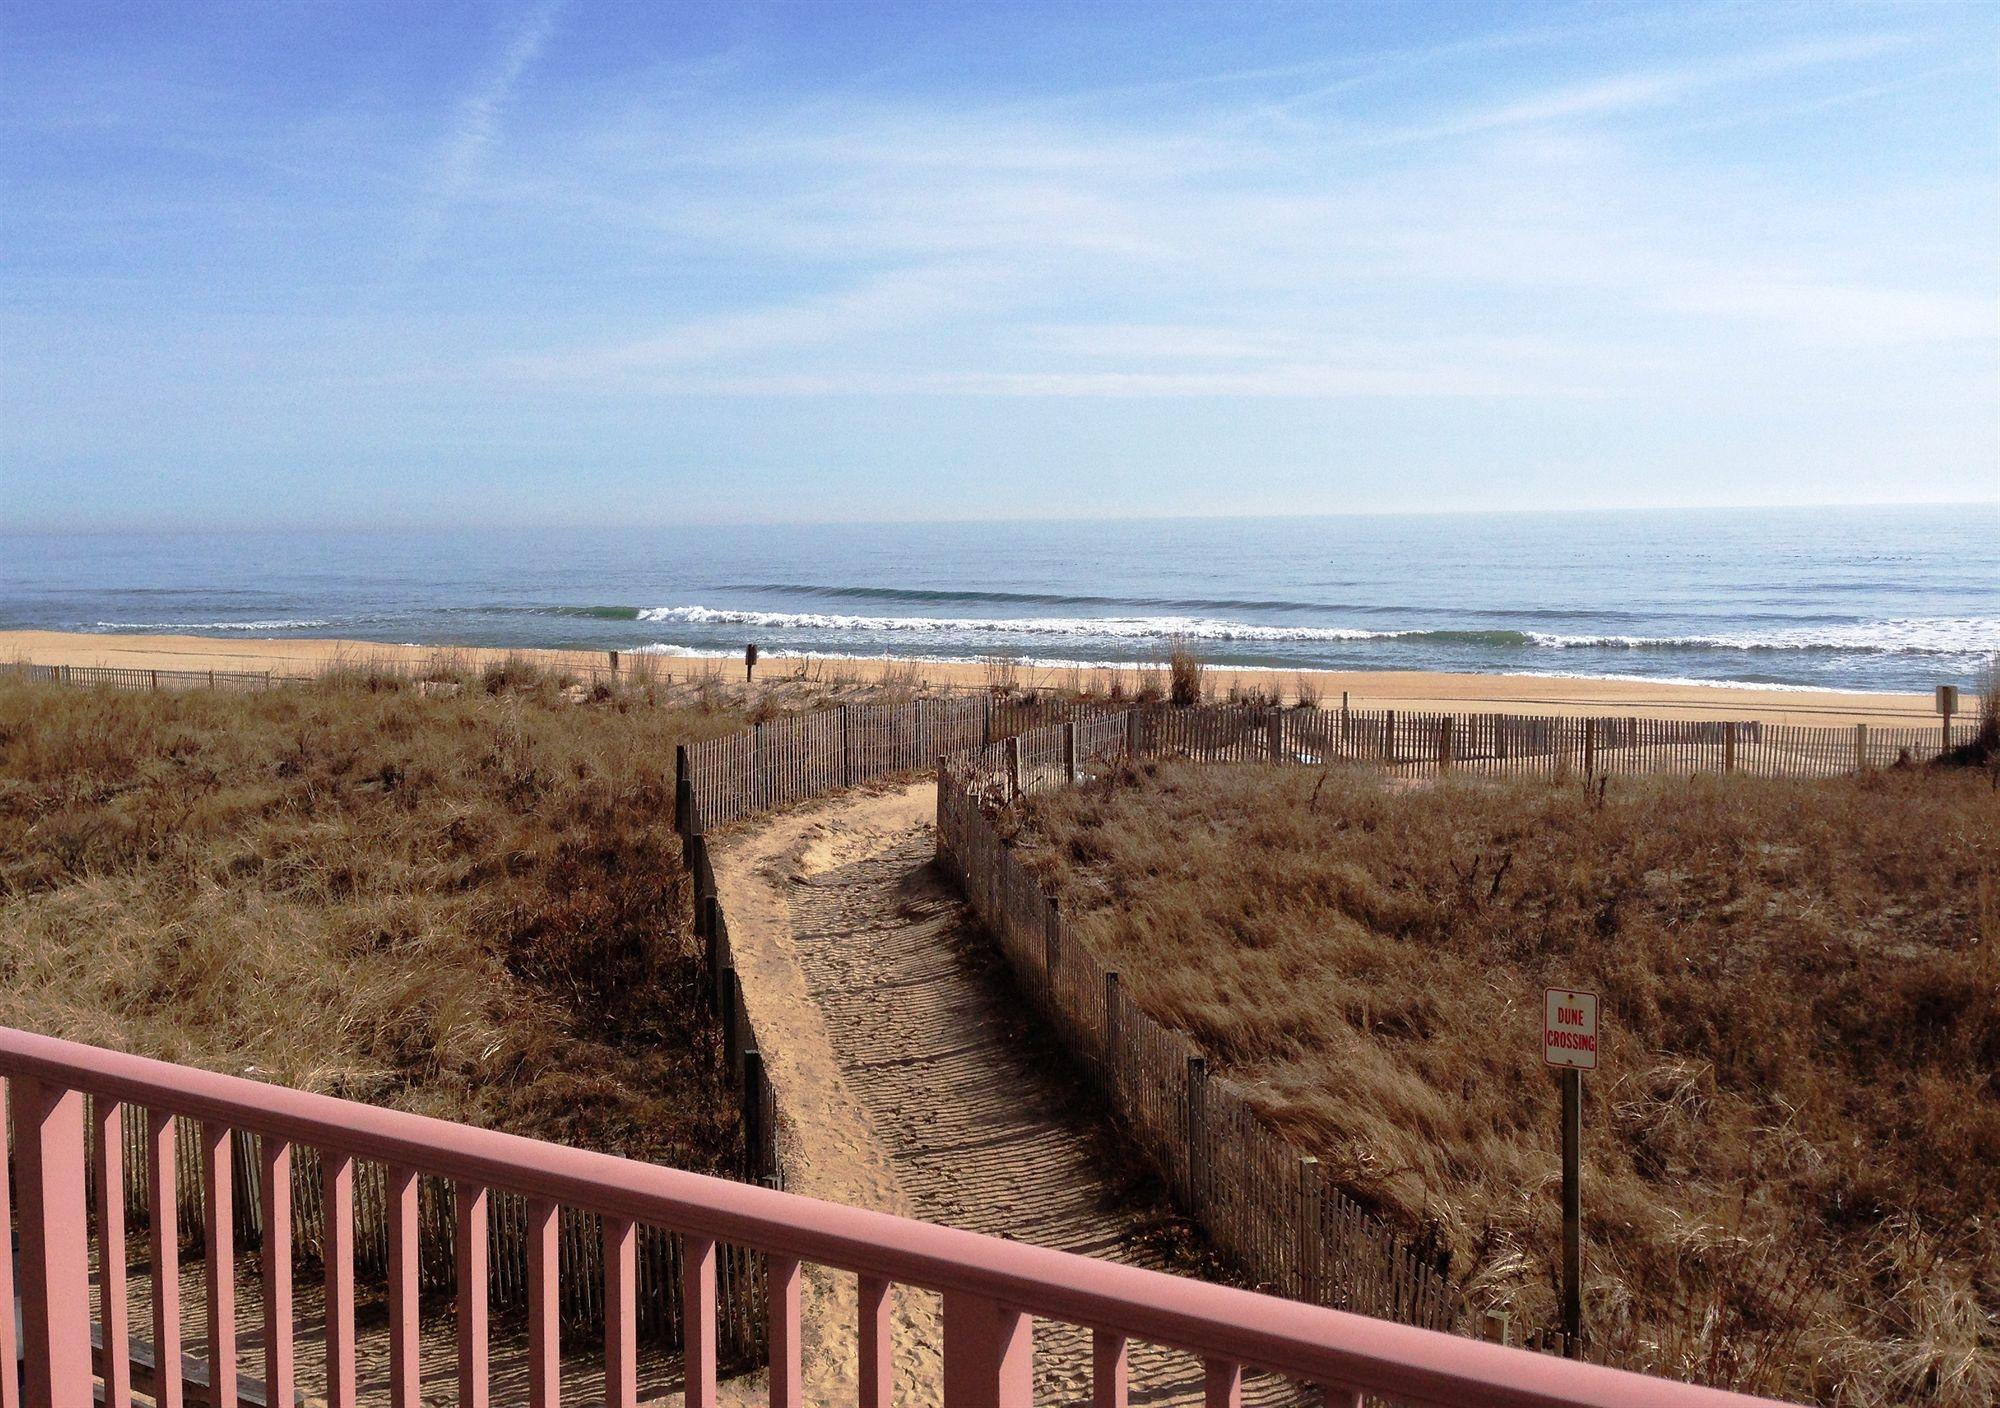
(280,1374)
(872,1297)
(698,1316)
(781,1289)
(53,1224)
(164,1248)
(337,1199)
(10,1348)
(470,1255)
(404,1372)
(621,1339)
(1110,1370)
(219,1256)
(108,1151)
(1222,1384)
(544,1330)
(988,1353)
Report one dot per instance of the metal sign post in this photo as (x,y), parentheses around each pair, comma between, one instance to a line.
(1569,1042)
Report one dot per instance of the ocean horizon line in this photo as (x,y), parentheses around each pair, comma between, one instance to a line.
(609,525)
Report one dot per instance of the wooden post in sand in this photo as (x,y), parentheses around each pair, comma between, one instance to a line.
(1274,734)
(1111,1027)
(1729,747)
(1861,747)
(847,753)
(1389,737)
(1069,755)
(1444,744)
(1589,749)
(683,792)
(1311,1243)
(1014,768)
(1197,1127)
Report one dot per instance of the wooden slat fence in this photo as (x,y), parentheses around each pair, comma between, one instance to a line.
(1253,1192)
(799,756)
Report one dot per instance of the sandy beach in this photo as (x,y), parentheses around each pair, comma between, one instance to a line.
(1462,693)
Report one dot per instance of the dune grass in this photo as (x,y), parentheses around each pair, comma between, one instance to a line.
(1792,1151)
(461,896)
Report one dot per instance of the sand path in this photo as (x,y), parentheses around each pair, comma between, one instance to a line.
(915,1082)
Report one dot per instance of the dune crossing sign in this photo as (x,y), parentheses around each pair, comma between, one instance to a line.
(1569,1028)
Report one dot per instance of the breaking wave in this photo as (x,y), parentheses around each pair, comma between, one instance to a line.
(1935,636)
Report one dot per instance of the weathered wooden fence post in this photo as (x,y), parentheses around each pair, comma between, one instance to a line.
(1014,768)
(1132,734)
(725,1002)
(1389,737)
(1861,747)
(1589,749)
(1444,744)
(1197,1129)
(758,790)
(1274,734)
(846,752)
(1111,1027)
(1069,751)
(683,792)
(1310,1235)
(1729,747)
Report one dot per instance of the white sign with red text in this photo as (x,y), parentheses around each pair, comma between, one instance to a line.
(1569,1028)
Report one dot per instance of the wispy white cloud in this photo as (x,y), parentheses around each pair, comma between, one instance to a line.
(1846,316)
(476,125)
(1304,382)
(1631,92)
(1511,249)
(891,302)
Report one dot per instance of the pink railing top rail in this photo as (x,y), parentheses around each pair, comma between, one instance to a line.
(1316,1345)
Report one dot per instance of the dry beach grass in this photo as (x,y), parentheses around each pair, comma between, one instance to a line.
(1790,1149)
(464,899)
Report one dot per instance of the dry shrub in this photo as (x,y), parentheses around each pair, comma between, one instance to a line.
(1252,696)
(1002,674)
(1305,690)
(1790,1148)
(466,904)
(1184,675)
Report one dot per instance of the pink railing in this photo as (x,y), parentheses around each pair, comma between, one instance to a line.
(992,1290)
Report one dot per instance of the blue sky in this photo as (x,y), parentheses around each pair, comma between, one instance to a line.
(611,262)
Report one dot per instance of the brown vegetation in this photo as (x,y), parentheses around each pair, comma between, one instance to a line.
(461,896)
(1184,674)
(1790,1150)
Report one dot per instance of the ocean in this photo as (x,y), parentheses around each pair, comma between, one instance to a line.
(1849,598)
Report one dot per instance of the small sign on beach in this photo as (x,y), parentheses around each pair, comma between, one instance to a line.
(1569,1028)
